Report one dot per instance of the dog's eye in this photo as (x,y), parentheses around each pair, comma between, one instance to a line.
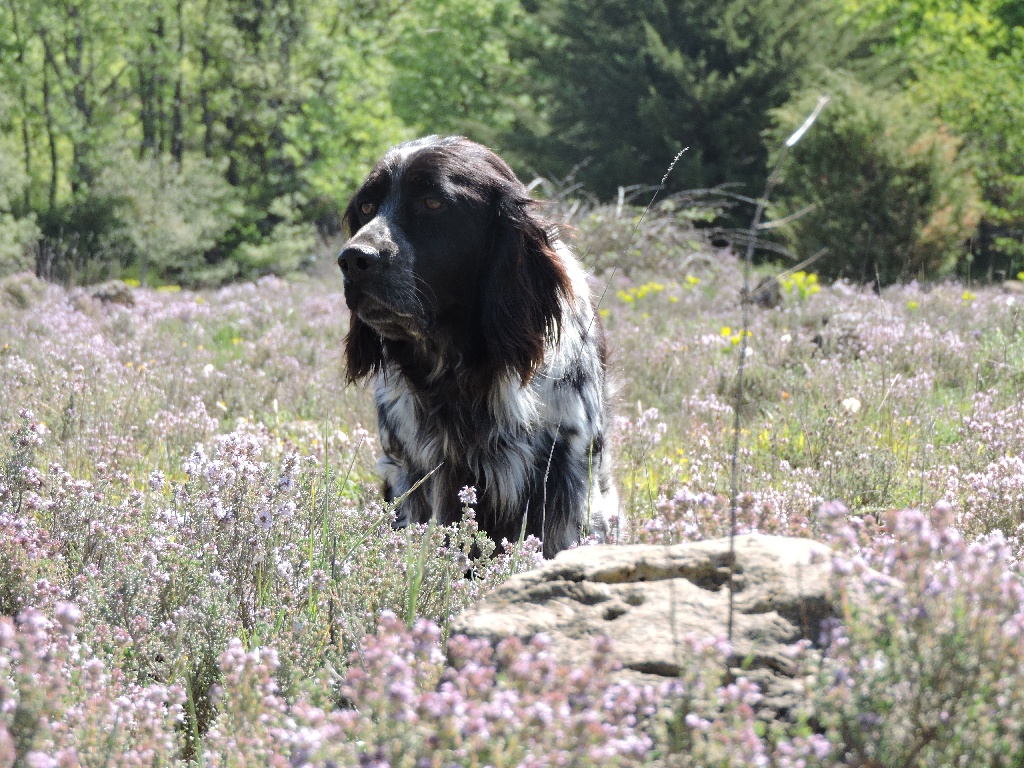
(367,209)
(432,203)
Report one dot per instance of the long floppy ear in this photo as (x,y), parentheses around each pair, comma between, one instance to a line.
(364,351)
(523,288)
(364,348)
(350,218)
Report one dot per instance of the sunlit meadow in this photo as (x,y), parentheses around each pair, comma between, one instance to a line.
(195,566)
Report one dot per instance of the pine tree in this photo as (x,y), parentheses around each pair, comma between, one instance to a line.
(630,85)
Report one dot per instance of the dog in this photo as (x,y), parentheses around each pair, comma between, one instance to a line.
(479,330)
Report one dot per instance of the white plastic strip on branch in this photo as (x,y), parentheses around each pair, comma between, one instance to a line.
(799,132)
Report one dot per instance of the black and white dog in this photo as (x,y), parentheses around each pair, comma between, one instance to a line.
(479,330)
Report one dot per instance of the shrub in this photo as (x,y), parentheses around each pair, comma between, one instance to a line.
(171,215)
(18,233)
(289,245)
(84,240)
(927,668)
(61,703)
(21,289)
(890,195)
(665,239)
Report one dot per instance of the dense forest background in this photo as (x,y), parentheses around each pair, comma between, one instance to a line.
(198,141)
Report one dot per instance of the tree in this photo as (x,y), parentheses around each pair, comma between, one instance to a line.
(18,230)
(120,112)
(966,61)
(112,106)
(451,63)
(878,182)
(346,120)
(86,74)
(629,85)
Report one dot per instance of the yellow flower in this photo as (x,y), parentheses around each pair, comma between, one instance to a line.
(968,297)
(911,305)
(801,283)
(634,294)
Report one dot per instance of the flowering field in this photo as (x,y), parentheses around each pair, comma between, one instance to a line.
(201,571)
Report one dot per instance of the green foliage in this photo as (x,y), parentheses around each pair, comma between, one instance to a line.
(84,240)
(966,60)
(451,63)
(18,229)
(346,120)
(72,64)
(289,104)
(630,85)
(889,194)
(172,216)
(290,243)
(198,115)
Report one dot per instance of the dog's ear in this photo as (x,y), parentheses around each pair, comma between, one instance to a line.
(364,351)
(524,285)
(351,218)
(364,348)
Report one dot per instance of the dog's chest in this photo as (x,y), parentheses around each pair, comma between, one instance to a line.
(423,430)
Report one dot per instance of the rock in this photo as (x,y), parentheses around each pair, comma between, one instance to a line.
(114,292)
(1015,287)
(647,597)
(767,294)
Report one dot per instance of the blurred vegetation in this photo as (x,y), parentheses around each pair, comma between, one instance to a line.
(627,86)
(877,182)
(965,62)
(197,141)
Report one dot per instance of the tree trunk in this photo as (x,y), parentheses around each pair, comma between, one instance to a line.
(204,95)
(26,136)
(177,122)
(51,138)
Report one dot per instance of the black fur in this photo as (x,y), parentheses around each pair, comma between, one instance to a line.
(488,358)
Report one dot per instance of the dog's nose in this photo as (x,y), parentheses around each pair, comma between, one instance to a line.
(359,262)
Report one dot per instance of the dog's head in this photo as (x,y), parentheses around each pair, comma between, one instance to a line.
(446,249)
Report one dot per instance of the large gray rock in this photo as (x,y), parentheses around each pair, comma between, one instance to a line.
(114,292)
(648,597)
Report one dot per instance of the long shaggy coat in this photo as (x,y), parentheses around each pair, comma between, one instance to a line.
(478,329)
